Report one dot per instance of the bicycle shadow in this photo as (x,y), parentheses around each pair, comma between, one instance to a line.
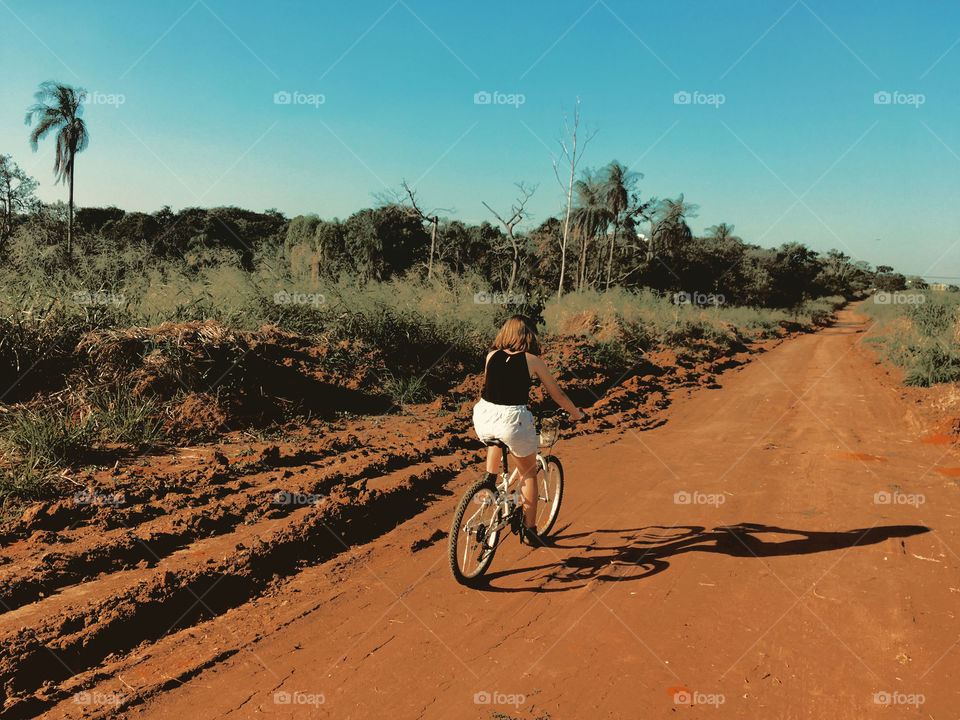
(644,552)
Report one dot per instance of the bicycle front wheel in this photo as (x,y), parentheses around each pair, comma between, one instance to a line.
(471,542)
(549,492)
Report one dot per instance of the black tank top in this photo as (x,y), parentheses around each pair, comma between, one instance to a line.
(507,380)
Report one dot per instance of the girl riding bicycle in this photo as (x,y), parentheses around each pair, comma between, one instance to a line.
(502,413)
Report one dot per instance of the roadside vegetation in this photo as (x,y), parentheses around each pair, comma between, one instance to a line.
(919,331)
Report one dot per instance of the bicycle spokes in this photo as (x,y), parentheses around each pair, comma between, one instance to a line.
(549,490)
(477,530)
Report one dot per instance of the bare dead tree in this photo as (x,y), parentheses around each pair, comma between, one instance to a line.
(518,213)
(414,210)
(410,206)
(572,154)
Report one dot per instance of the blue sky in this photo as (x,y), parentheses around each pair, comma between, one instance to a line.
(797,151)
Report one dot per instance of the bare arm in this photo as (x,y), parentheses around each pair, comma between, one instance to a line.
(539,368)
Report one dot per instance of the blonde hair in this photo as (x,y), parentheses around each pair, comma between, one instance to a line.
(518,334)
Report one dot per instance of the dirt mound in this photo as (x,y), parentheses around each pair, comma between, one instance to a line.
(210,376)
(195,416)
(590,323)
(161,360)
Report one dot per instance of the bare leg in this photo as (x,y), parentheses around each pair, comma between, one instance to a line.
(493,459)
(528,488)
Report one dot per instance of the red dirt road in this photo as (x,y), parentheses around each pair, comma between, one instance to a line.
(734,562)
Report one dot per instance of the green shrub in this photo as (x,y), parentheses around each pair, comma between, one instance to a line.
(406,390)
(932,318)
(919,332)
(610,354)
(119,417)
(24,481)
(46,437)
(931,365)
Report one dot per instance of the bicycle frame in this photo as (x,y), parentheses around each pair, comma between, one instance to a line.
(506,501)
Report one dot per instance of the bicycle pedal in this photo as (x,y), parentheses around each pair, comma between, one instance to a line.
(531,538)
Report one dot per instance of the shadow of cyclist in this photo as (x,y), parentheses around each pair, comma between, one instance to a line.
(643,552)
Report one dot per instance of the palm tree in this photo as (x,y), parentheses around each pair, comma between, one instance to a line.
(59,108)
(590,217)
(671,231)
(722,233)
(618,183)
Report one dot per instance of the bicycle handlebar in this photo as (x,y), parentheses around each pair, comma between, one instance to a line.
(563,419)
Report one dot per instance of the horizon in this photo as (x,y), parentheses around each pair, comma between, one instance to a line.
(799,144)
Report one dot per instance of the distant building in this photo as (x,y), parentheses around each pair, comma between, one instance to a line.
(939,287)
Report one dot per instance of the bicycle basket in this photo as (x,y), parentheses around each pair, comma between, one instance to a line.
(549,431)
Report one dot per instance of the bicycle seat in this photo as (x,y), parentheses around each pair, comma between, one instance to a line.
(496,443)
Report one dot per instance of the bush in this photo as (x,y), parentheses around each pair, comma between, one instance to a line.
(921,336)
(48,436)
(23,481)
(406,390)
(122,418)
(931,365)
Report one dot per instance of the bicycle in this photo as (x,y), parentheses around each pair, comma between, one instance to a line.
(489,507)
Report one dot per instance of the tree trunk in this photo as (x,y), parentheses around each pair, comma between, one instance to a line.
(433,244)
(582,265)
(576,278)
(613,242)
(70,219)
(563,262)
(7,218)
(598,270)
(7,209)
(516,262)
(566,234)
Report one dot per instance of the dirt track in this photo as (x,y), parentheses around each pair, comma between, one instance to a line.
(797,595)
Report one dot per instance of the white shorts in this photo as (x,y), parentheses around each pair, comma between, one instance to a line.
(511,424)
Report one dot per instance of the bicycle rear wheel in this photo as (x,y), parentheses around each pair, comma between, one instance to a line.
(471,545)
(549,492)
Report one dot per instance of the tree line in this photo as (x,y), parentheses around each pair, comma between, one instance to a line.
(608,234)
